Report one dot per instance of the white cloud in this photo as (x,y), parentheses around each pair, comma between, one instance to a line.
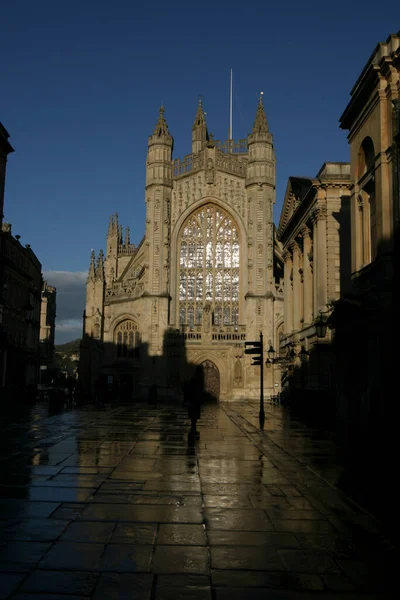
(71,292)
(69,325)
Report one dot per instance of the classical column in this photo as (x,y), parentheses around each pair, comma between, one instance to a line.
(320,272)
(297,287)
(307,276)
(288,292)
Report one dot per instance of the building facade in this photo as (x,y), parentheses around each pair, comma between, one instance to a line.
(314,230)
(20,289)
(206,278)
(5,150)
(21,284)
(364,318)
(47,324)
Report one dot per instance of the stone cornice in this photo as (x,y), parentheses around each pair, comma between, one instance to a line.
(287,222)
(367,84)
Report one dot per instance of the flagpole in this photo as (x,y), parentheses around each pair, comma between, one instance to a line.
(230,116)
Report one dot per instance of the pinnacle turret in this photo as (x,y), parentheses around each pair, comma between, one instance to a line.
(159,154)
(91,274)
(161,128)
(200,118)
(199,129)
(110,225)
(99,273)
(127,236)
(261,156)
(113,225)
(260,123)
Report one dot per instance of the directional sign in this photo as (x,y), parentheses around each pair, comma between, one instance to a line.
(252,351)
(257,344)
(256,361)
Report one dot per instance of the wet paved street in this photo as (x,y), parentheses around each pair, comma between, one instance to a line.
(118,503)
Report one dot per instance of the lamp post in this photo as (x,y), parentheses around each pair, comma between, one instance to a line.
(303,355)
(321,325)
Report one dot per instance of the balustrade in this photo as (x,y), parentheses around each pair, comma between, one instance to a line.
(223,333)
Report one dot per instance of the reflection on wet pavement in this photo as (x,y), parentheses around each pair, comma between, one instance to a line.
(120,503)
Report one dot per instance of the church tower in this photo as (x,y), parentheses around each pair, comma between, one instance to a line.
(157,247)
(260,189)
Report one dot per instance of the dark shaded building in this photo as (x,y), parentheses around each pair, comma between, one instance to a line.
(21,284)
(363,319)
(5,150)
(314,230)
(20,292)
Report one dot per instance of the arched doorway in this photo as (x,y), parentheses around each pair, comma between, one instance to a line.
(211,379)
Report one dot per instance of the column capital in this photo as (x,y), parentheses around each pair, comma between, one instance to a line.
(319,213)
(294,246)
(286,255)
(305,232)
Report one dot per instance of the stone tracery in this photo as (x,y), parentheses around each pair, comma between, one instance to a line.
(126,338)
(209,267)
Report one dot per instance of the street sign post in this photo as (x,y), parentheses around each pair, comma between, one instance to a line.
(258,360)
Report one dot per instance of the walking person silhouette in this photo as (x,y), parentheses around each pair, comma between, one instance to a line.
(193,400)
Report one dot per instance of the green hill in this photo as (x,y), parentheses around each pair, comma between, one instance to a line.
(69,347)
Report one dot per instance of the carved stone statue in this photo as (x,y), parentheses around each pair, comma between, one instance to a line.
(207,317)
(238,370)
(210,174)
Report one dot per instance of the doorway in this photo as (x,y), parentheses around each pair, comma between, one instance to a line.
(211,379)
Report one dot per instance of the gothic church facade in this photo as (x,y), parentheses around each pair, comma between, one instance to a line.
(206,277)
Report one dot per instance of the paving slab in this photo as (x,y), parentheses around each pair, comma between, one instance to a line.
(120,503)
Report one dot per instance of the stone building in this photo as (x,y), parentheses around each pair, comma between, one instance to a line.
(20,288)
(364,319)
(47,324)
(21,284)
(314,230)
(205,278)
(5,150)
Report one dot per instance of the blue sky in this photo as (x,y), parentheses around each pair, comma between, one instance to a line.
(82,82)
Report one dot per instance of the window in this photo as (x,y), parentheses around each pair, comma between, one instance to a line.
(209,267)
(366,157)
(367,202)
(127,339)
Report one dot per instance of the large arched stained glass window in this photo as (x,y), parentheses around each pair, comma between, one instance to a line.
(209,267)
(127,339)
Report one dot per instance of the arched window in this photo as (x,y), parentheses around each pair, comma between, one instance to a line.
(209,255)
(366,202)
(366,157)
(127,339)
